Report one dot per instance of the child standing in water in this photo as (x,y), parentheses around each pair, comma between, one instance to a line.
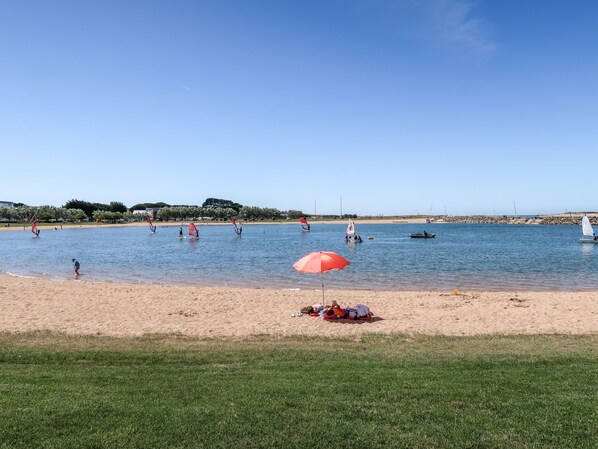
(77,266)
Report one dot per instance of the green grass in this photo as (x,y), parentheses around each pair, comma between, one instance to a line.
(373,391)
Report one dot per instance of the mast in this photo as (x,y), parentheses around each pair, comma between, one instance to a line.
(341,207)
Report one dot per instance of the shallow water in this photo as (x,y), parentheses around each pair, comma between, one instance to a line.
(467,257)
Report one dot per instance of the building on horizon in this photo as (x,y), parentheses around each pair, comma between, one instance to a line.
(6,204)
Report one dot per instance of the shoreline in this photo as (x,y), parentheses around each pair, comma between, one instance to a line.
(115,309)
(160,224)
(548,219)
(308,287)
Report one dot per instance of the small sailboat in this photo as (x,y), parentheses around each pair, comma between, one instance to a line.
(588,231)
(238,229)
(34,228)
(304,224)
(193,231)
(152,226)
(351,236)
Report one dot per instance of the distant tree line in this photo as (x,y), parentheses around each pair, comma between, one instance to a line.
(248,213)
(211,209)
(90,208)
(41,213)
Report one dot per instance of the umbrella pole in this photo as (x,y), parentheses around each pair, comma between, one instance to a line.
(323,302)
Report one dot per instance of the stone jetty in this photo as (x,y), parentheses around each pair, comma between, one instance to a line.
(561,219)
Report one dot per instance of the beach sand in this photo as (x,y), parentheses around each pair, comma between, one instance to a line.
(161,224)
(102,308)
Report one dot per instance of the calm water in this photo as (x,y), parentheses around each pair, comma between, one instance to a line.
(468,257)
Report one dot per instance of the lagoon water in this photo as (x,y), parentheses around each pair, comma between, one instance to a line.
(467,257)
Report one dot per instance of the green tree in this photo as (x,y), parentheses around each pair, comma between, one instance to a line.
(142,206)
(85,206)
(117,206)
(295,214)
(218,202)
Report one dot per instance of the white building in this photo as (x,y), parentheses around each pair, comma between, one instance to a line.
(6,204)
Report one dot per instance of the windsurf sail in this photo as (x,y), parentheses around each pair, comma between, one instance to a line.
(351,235)
(587,227)
(152,226)
(351,228)
(193,230)
(234,222)
(34,227)
(304,224)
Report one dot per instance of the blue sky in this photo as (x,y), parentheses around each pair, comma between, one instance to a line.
(396,106)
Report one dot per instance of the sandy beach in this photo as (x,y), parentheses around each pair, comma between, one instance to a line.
(90,308)
(161,224)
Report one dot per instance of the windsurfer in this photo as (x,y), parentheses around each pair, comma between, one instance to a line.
(304,224)
(34,228)
(181,232)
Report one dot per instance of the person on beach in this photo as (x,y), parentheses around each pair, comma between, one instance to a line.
(77,265)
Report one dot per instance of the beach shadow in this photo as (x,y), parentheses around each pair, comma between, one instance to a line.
(347,321)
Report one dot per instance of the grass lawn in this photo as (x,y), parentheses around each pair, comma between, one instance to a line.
(370,392)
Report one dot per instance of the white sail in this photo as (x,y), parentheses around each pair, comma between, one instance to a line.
(351,228)
(587,227)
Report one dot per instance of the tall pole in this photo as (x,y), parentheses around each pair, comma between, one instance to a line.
(315,211)
(515,207)
(341,207)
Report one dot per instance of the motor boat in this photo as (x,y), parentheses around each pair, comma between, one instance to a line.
(422,235)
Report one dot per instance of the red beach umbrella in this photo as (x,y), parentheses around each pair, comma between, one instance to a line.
(319,262)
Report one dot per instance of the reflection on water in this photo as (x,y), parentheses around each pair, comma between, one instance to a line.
(468,257)
(587,249)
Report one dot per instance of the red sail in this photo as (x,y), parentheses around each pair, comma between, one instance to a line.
(193,230)
(151,224)
(34,227)
(304,224)
(234,222)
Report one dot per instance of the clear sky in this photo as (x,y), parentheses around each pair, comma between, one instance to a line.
(397,106)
